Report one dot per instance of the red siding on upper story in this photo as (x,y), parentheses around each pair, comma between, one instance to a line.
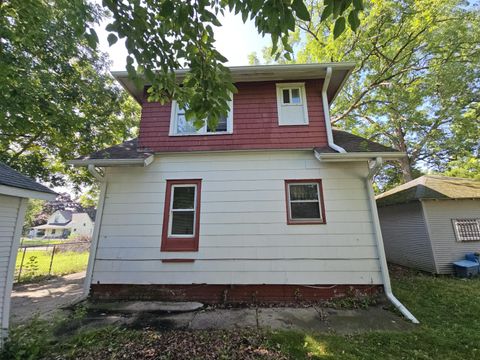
(255,123)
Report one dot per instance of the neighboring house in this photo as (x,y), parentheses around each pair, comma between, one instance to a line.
(430,222)
(15,190)
(64,223)
(271,205)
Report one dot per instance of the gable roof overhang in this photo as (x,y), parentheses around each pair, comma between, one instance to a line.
(13,183)
(340,72)
(431,187)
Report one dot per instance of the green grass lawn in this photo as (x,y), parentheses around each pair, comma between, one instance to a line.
(448,309)
(35,242)
(37,263)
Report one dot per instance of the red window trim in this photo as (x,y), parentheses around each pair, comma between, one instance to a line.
(291,221)
(178,260)
(171,243)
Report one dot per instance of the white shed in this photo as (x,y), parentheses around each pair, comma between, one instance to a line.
(430,222)
(15,190)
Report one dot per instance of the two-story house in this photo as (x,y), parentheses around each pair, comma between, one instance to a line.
(271,205)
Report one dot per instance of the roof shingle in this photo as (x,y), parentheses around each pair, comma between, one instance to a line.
(10,177)
(431,187)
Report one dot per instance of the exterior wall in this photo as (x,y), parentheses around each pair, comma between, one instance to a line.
(81,225)
(439,215)
(12,210)
(255,123)
(405,236)
(244,236)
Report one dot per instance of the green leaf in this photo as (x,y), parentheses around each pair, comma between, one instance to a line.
(326,13)
(301,10)
(339,27)
(112,39)
(358,4)
(353,20)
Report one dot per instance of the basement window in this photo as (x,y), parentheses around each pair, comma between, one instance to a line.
(181,219)
(467,229)
(292,104)
(304,202)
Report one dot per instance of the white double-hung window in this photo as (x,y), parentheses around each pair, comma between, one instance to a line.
(292,104)
(180,126)
(467,229)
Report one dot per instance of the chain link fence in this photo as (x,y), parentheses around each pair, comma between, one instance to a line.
(40,261)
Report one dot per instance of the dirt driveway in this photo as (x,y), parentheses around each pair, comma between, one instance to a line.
(44,297)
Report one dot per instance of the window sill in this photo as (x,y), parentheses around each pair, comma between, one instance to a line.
(306,222)
(205,134)
(178,260)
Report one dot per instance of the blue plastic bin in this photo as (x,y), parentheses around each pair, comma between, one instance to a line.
(466,268)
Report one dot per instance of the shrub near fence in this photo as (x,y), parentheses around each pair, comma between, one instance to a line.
(35,262)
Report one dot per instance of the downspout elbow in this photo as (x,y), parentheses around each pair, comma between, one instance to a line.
(95,173)
(326,111)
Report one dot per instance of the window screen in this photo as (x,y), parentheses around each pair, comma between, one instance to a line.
(467,229)
(182,213)
(304,201)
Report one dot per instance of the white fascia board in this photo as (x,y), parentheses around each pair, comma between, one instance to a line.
(112,162)
(358,156)
(25,193)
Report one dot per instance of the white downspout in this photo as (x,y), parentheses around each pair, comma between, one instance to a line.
(381,250)
(326,111)
(96,231)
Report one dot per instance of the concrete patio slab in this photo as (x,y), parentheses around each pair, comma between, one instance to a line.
(291,319)
(145,306)
(224,319)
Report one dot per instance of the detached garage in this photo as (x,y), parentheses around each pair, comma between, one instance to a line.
(430,222)
(15,190)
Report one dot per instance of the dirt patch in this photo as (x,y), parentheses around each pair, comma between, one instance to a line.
(45,297)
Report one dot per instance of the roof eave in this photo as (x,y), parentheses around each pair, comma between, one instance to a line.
(255,73)
(112,162)
(358,156)
(25,193)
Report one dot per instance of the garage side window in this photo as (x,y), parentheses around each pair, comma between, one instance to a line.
(304,200)
(181,220)
(467,229)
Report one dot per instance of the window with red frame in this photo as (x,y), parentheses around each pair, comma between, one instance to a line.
(181,219)
(304,200)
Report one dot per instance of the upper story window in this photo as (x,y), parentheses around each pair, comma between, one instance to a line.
(292,104)
(180,126)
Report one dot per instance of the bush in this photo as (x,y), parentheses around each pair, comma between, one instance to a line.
(29,341)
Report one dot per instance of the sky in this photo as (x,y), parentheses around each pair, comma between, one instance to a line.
(234,40)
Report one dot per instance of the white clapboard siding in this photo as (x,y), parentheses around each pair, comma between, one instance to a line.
(244,238)
(439,215)
(405,236)
(9,207)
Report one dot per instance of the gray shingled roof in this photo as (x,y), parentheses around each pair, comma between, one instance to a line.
(125,150)
(10,177)
(431,187)
(351,143)
(354,143)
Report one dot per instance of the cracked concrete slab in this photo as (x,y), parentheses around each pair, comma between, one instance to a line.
(291,319)
(224,319)
(145,306)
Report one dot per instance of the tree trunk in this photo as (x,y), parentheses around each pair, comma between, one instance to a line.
(406,168)
(405,163)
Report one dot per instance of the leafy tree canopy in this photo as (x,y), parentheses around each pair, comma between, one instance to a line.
(57,100)
(165,35)
(415,86)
